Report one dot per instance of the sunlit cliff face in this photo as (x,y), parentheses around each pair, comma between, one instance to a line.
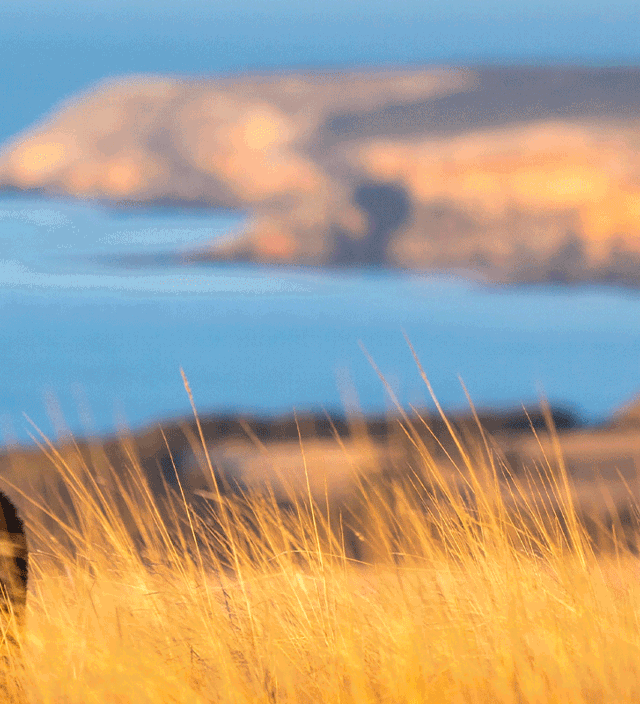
(248,145)
(39,158)
(542,168)
(122,175)
(132,139)
(86,152)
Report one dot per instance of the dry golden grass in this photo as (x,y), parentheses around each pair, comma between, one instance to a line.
(468,591)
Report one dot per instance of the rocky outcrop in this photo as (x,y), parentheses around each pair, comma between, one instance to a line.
(518,174)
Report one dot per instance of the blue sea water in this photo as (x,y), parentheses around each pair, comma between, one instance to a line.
(95,334)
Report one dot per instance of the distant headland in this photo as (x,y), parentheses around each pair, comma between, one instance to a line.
(517,174)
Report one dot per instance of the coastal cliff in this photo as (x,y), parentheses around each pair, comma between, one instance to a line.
(514,174)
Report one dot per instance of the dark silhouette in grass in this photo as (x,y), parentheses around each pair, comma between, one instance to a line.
(14,565)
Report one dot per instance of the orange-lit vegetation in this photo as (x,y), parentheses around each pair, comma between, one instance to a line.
(472,586)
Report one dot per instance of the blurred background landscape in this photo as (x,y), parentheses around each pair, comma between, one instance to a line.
(274,199)
(249,192)
(269,196)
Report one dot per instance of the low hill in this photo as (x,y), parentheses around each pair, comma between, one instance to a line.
(517,174)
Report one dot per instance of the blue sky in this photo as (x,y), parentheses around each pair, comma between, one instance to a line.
(199,18)
(439,8)
(50,49)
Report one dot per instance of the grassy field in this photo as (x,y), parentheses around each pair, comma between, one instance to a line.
(477,588)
